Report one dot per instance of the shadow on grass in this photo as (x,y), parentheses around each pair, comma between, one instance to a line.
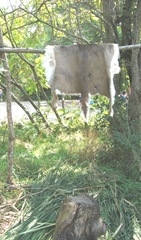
(113,193)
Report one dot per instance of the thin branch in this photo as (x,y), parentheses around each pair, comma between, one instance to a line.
(57,28)
(23,107)
(24,25)
(42,51)
(14,82)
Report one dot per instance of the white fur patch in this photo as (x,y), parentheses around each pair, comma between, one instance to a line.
(115,63)
(114,69)
(49,63)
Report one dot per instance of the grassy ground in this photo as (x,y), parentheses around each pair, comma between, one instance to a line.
(68,161)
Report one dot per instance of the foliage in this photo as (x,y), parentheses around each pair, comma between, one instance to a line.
(70,161)
(122,145)
(113,191)
(102,160)
(37,24)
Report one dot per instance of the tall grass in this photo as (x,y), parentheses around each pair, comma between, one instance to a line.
(68,161)
(119,208)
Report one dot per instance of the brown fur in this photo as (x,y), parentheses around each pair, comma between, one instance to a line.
(84,69)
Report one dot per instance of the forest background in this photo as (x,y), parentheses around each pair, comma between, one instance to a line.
(104,161)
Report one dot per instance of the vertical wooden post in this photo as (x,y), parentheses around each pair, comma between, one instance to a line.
(3,58)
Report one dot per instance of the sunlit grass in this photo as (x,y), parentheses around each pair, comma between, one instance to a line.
(70,161)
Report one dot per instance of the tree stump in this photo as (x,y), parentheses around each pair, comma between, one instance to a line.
(79,219)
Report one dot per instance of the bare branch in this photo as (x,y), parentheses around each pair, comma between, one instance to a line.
(129,47)
(23,107)
(42,51)
(21,50)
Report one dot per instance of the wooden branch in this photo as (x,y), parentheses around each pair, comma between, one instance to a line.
(42,51)
(14,82)
(129,47)
(21,50)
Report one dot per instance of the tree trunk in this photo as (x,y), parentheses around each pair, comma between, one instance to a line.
(9,114)
(126,27)
(79,219)
(135,98)
(109,15)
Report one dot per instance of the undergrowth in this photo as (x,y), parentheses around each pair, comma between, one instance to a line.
(119,207)
(102,161)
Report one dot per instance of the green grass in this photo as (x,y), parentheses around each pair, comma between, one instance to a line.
(113,192)
(71,161)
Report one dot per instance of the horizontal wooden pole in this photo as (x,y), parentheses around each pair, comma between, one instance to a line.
(21,50)
(42,51)
(129,47)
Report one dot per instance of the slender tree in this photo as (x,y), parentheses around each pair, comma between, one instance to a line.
(9,113)
(135,100)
